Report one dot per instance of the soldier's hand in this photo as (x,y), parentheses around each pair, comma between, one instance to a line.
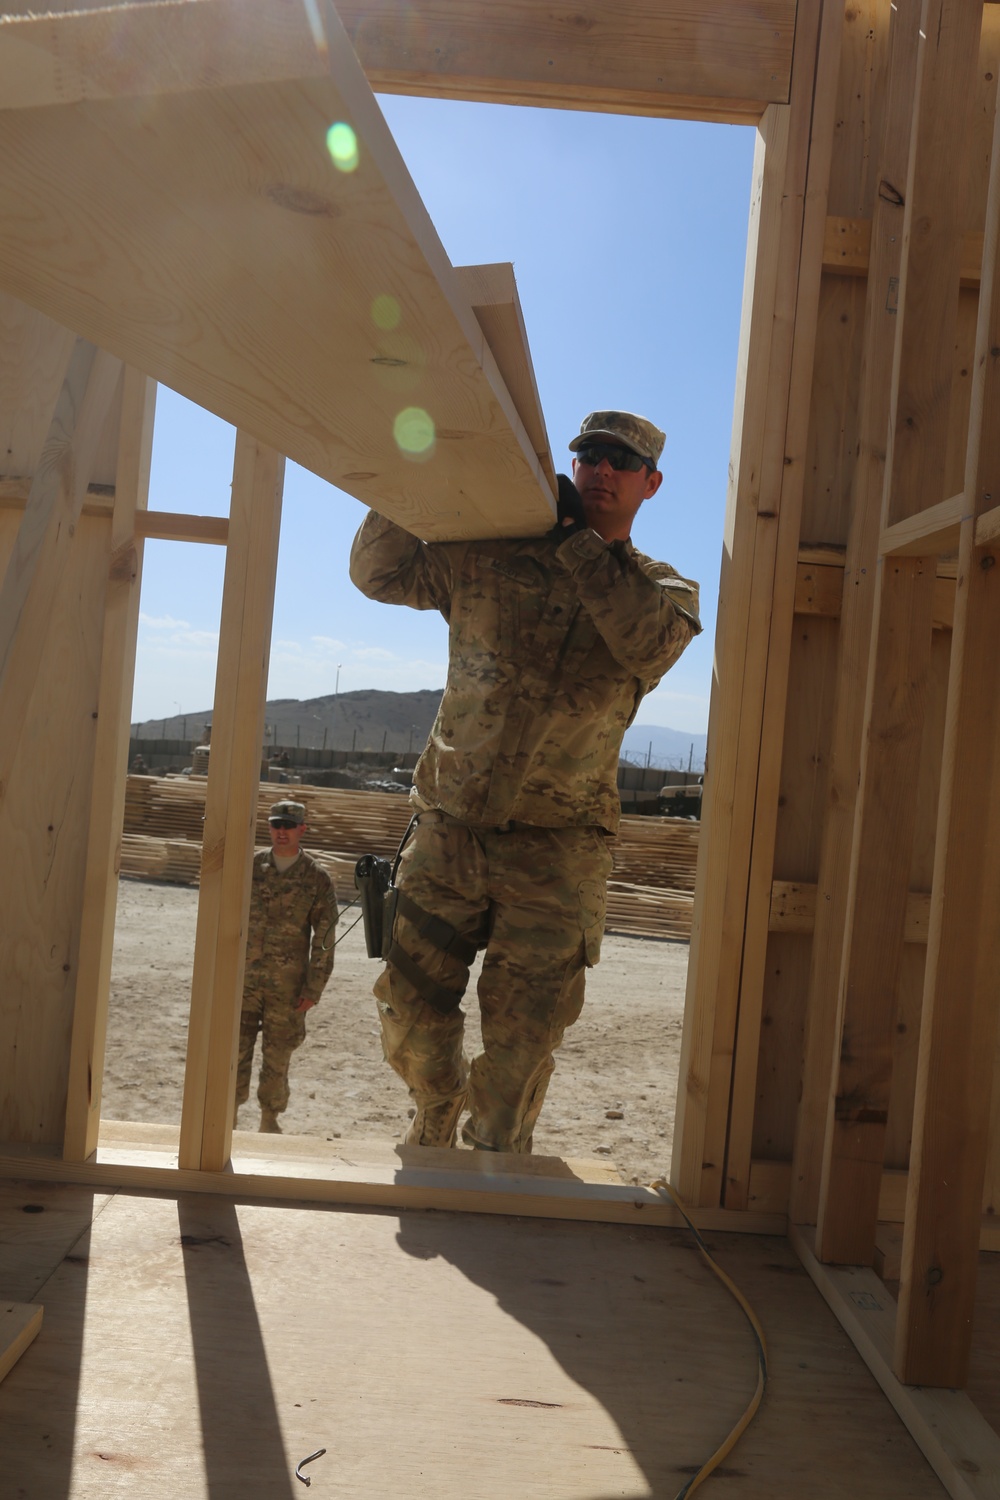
(305,1004)
(570,515)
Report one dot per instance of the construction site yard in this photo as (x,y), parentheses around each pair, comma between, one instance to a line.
(612,1096)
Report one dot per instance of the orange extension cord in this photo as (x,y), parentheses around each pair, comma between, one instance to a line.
(662,1186)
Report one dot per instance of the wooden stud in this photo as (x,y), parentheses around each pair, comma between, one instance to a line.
(853,1151)
(121,618)
(751,975)
(857,611)
(46,534)
(953,1436)
(231,806)
(764,364)
(958,1032)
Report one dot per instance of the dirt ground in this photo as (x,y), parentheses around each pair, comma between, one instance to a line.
(612,1095)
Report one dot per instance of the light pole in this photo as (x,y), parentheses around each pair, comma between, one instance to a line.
(333,711)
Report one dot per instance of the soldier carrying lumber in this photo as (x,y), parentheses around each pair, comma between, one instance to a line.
(290,939)
(553,642)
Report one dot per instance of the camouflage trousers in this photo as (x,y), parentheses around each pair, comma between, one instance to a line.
(535,898)
(269,1009)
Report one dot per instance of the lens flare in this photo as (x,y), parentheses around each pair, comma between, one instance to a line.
(386,312)
(342,144)
(414,432)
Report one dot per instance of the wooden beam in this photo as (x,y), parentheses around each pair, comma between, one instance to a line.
(876,907)
(928,532)
(723,60)
(231,806)
(313,307)
(793,909)
(853,1153)
(311,1171)
(957,1441)
(750,542)
(171,526)
(20,1325)
(107,803)
(958,1029)
(847,249)
(151,525)
(988,526)
(491,292)
(819,586)
(46,534)
(794,465)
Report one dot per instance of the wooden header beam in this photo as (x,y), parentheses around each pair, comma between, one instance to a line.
(717,60)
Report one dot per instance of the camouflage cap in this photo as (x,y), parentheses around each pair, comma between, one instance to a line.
(287,811)
(621,427)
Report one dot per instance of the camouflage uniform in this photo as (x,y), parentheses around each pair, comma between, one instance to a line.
(293,916)
(552,647)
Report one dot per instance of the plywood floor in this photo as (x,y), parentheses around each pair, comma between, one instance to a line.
(193,1347)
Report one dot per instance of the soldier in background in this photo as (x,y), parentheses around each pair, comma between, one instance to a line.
(554,641)
(290,937)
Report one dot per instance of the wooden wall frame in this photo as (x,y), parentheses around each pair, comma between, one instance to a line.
(852,797)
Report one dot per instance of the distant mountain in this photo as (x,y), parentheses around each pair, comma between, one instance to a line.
(371,719)
(365,720)
(651,744)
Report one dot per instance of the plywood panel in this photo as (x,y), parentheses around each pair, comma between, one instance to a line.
(212,243)
(254,1366)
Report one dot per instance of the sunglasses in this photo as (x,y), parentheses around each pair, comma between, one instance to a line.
(618,458)
(283,823)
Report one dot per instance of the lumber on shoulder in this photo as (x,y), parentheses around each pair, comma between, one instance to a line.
(301,294)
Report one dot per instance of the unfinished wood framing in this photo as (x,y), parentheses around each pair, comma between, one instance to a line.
(231,805)
(840,1051)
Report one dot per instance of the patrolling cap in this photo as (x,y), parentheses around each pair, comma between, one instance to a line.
(287,812)
(623,427)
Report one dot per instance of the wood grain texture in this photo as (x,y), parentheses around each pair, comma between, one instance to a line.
(958,1035)
(212,243)
(43,819)
(20,1323)
(789,480)
(857,1111)
(104,826)
(954,1437)
(719,60)
(595,1363)
(231,803)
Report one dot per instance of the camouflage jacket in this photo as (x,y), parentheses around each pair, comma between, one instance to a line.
(293,917)
(552,647)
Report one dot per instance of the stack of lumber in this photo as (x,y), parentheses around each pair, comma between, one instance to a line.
(651,894)
(649,911)
(660,852)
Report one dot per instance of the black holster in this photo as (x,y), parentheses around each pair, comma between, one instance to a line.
(373,882)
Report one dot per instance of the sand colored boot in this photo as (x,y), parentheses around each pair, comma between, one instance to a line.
(269,1123)
(435,1124)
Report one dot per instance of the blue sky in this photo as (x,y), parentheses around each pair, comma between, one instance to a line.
(628,239)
